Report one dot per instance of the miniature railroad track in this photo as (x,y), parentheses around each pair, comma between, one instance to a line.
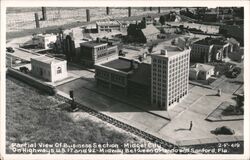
(164,144)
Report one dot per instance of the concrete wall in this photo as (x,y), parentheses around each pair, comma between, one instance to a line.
(40,70)
(32,81)
(193,74)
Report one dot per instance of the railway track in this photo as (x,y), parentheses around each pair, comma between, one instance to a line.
(164,144)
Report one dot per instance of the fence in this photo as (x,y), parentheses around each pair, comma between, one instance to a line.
(56,16)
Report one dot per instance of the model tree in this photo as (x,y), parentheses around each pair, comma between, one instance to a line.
(162,20)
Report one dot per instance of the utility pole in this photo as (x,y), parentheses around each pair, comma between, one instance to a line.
(37,20)
(44,13)
(107,10)
(87,15)
(159,9)
(129,11)
(73,106)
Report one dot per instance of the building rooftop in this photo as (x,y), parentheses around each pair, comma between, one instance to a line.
(202,67)
(90,26)
(46,35)
(211,41)
(150,29)
(233,41)
(108,22)
(47,59)
(120,64)
(170,51)
(92,43)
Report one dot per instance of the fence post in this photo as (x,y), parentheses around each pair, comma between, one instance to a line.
(87,15)
(107,10)
(159,9)
(44,13)
(37,20)
(150,8)
(129,11)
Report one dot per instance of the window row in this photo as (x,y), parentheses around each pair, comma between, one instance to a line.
(101,48)
(118,79)
(102,74)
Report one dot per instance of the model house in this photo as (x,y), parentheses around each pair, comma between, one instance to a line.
(49,68)
(45,41)
(142,32)
(108,26)
(201,71)
(150,33)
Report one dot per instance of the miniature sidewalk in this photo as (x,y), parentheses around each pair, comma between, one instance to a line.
(195,107)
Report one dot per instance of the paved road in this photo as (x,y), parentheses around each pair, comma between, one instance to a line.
(196,107)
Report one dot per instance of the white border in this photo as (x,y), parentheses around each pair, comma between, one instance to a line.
(113,3)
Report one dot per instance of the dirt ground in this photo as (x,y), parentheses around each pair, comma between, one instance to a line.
(23,18)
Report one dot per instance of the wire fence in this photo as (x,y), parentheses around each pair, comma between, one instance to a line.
(25,19)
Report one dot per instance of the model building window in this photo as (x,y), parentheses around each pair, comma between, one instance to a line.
(41,72)
(59,70)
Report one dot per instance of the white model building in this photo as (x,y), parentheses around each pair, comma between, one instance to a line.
(201,71)
(49,68)
(169,76)
(108,25)
(44,41)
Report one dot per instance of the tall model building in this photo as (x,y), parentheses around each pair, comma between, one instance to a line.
(169,76)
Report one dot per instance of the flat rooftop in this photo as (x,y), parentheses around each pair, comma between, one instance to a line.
(92,43)
(119,64)
(47,59)
(108,23)
(171,51)
(46,35)
(202,67)
(211,41)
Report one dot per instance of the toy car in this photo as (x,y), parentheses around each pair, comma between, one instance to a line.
(10,49)
(223,130)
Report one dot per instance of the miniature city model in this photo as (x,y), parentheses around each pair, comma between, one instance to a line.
(174,77)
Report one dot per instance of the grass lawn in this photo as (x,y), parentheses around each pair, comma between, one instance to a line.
(33,116)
